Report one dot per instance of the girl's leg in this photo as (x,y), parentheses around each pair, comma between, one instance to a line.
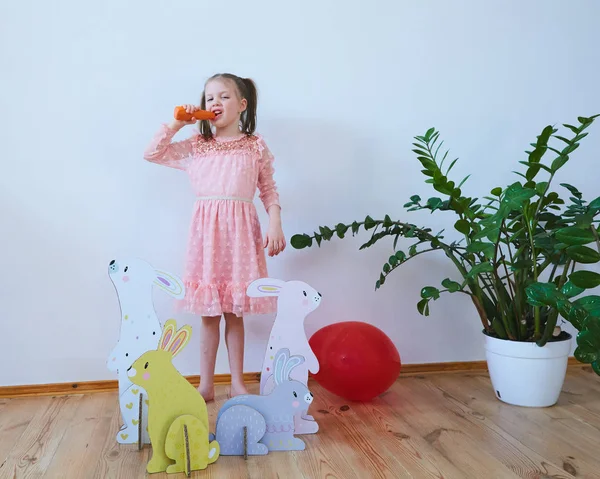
(209,343)
(234,339)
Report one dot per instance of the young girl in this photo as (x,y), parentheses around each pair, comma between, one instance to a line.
(226,163)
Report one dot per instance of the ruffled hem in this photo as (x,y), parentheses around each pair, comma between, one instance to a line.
(215,299)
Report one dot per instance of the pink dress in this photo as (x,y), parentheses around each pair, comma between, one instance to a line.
(225,247)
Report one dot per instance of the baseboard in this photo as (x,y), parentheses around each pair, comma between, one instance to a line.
(87,387)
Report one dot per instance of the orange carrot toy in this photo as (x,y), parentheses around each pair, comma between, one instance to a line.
(182,115)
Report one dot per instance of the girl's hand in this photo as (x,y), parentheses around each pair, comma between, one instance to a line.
(177,124)
(275,240)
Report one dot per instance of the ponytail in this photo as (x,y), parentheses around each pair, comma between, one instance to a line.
(246,89)
(248,117)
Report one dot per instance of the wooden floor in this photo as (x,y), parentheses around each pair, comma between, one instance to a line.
(440,425)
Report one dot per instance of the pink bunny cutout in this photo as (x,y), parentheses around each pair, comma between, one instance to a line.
(295,301)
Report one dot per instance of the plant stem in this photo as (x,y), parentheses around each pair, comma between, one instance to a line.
(536,309)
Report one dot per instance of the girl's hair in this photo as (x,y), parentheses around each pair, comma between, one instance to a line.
(246,89)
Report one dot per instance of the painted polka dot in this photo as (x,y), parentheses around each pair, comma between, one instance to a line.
(268,369)
(126,317)
(271,357)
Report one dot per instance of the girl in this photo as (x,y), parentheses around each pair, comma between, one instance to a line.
(226,163)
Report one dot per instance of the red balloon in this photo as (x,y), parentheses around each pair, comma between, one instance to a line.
(357,361)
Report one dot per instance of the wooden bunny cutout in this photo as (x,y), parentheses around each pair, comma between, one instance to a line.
(134,280)
(295,300)
(256,424)
(177,414)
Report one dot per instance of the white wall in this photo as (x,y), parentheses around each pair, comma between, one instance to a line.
(84,85)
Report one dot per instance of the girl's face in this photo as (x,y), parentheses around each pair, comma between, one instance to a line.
(222,98)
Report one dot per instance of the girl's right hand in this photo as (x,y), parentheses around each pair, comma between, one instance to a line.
(177,124)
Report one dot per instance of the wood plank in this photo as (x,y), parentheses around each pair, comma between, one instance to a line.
(526,425)
(81,444)
(34,450)
(476,450)
(15,417)
(361,438)
(400,440)
(118,460)
(527,463)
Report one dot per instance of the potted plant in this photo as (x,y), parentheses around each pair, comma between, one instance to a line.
(517,258)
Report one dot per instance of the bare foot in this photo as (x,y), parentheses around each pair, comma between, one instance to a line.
(238,390)
(207,393)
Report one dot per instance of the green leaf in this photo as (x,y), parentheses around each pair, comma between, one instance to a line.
(489,233)
(462,226)
(393,260)
(496,191)
(387,222)
(591,304)
(542,294)
(583,254)
(300,241)
(386,268)
(574,191)
(487,249)
(562,138)
(423,307)
(559,163)
(585,354)
(430,292)
(415,198)
(412,250)
(355,227)
(516,195)
(576,317)
(573,235)
(574,129)
(585,279)
(451,165)
(434,203)
(326,232)
(463,181)
(341,229)
(595,204)
(588,342)
(541,187)
(480,268)
(451,286)
(400,256)
(570,290)
(370,223)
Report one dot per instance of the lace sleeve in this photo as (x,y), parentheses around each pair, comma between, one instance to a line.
(163,151)
(266,183)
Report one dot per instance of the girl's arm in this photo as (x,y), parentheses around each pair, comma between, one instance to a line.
(163,151)
(275,239)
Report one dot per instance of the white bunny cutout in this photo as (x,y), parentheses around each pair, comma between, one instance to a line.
(295,301)
(134,280)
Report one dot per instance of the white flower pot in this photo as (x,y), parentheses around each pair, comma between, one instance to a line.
(524,374)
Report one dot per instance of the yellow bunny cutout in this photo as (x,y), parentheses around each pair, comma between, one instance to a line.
(175,407)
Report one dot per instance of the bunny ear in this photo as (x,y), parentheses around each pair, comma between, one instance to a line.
(167,334)
(180,340)
(291,363)
(279,362)
(265,287)
(169,283)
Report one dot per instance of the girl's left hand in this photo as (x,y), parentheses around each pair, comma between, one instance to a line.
(275,240)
